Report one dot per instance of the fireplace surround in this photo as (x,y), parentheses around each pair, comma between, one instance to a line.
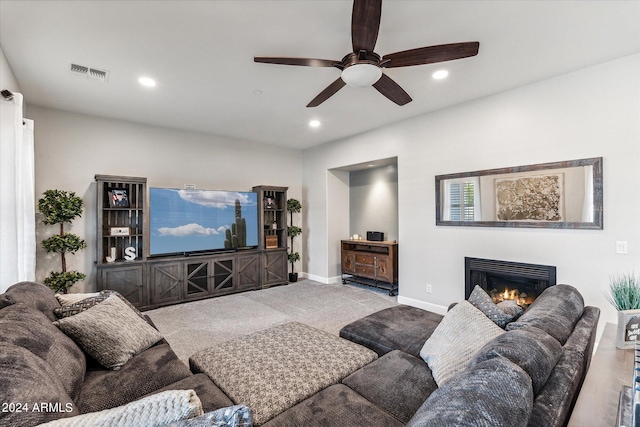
(505,280)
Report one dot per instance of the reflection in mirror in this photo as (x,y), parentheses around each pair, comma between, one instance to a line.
(549,195)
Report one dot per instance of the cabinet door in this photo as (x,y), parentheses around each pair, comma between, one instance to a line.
(197,280)
(128,280)
(248,270)
(385,269)
(222,277)
(166,282)
(275,268)
(348,263)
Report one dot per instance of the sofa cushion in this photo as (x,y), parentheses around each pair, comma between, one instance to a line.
(110,332)
(397,382)
(337,405)
(273,369)
(483,302)
(401,327)
(36,295)
(493,393)
(462,332)
(552,406)
(535,351)
(155,410)
(556,311)
(151,370)
(32,387)
(27,327)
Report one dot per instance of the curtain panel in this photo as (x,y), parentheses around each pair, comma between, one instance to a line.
(17,192)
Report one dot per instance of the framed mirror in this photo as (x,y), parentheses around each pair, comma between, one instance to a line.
(565,195)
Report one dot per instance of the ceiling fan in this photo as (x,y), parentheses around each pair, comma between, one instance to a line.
(363,67)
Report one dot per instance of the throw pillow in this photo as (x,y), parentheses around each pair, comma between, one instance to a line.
(110,332)
(232,416)
(511,308)
(462,332)
(75,306)
(6,301)
(68,299)
(155,410)
(483,302)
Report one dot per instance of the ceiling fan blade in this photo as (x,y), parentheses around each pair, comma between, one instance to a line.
(327,93)
(392,90)
(307,62)
(431,54)
(365,23)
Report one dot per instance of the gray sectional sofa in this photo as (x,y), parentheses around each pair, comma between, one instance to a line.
(528,374)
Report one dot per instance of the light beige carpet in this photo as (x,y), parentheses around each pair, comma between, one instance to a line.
(194,326)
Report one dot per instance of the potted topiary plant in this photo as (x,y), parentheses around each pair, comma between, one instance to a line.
(293,206)
(59,207)
(624,295)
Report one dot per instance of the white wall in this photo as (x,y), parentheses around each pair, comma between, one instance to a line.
(7,78)
(70,149)
(588,113)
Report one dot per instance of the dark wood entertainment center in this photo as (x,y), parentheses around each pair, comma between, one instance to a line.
(155,282)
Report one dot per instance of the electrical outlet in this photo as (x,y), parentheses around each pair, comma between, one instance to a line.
(621,247)
(428,288)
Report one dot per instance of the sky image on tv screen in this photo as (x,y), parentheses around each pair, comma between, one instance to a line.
(198,220)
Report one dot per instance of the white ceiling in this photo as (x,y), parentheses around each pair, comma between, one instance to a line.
(201,54)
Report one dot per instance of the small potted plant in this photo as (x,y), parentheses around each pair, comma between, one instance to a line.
(293,206)
(59,207)
(624,295)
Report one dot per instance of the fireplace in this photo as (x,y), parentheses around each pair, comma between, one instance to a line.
(504,280)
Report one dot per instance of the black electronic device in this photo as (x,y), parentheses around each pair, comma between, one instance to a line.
(375,236)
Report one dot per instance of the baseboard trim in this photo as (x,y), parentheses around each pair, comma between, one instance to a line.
(321,279)
(439,309)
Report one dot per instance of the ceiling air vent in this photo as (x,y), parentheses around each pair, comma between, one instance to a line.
(90,73)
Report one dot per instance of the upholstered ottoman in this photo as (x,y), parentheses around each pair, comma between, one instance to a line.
(400,327)
(273,370)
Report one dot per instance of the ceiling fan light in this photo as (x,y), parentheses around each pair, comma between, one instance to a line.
(361,75)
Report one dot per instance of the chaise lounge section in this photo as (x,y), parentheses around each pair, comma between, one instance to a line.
(405,366)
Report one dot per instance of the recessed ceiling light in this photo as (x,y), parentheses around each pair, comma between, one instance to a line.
(440,74)
(314,123)
(147,81)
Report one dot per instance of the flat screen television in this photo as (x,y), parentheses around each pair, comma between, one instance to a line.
(192,221)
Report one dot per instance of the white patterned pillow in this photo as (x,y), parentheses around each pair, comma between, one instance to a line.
(156,410)
(110,332)
(458,337)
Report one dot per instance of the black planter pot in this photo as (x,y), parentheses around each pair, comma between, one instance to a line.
(293,277)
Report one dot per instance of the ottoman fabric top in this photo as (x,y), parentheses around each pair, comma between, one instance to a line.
(272,370)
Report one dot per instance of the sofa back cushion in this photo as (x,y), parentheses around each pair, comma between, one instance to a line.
(27,327)
(555,311)
(36,295)
(31,389)
(493,393)
(535,351)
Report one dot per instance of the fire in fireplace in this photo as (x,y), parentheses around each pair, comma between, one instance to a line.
(504,280)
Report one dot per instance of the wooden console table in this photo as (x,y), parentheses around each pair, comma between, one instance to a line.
(370,263)
(611,368)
